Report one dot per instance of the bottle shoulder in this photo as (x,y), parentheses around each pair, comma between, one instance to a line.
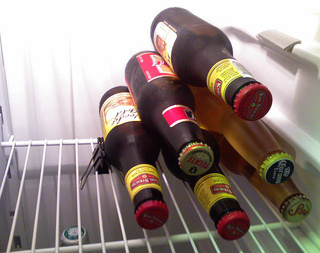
(131,144)
(162,93)
(185,24)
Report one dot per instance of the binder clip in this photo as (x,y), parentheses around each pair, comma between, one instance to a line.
(98,162)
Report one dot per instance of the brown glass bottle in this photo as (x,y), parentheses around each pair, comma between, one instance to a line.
(293,205)
(214,194)
(201,55)
(166,104)
(252,139)
(133,150)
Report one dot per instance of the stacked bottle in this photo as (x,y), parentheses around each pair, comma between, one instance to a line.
(201,55)
(214,193)
(133,150)
(166,104)
(228,101)
(252,139)
(292,204)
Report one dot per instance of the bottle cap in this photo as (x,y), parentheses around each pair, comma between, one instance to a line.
(277,168)
(70,237)
(152,214)
(196,158)
(252,102)
(296,207)
(233,225)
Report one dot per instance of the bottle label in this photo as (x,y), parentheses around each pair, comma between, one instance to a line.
(196,159)
(70,236)
(300,209)
(116,110)
(163,39)
(296,208)
(279,171)
(222,74)
(71,233)
(141,177)
(176,114)
(211,188)
(153,66)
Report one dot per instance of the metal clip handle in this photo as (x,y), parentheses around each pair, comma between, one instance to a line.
(98,162)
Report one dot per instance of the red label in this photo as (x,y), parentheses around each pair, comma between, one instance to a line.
(144,179)
(235,230)
(178,113)
(198,162)
(154,219)
(221,188)
(153,66)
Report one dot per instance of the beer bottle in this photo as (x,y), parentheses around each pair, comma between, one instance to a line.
(214,193)
(293,205)
(252,139)
(166,104)
(201,55)
(133,150)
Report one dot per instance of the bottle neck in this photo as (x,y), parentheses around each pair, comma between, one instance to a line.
(211,111)
(145,195)
(222,207)
(130,144)
(252,140)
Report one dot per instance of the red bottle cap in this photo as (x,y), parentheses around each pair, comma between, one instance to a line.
(252,102)
(152,214)
(233,225)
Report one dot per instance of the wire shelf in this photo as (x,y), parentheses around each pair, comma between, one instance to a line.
(40,196)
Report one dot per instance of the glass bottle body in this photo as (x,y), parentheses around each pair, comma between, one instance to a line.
(214,193)
(201,55)
(133,150)
(166,104)
(292,204)
(252,139)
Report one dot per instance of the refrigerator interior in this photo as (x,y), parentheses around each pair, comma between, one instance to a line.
(58,59)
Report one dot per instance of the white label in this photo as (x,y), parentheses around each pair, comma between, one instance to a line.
(164,38)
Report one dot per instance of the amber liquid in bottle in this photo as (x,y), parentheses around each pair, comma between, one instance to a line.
(165,104)
(133,150)
(201,55)
(252,139)
(293,205)
(214,194)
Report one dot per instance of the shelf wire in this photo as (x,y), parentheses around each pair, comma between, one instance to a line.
(147,241)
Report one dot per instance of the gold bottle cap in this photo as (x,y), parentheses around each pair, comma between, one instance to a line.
(296,207)
(196,158)
(277,168)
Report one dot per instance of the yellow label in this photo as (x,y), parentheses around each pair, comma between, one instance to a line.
(222,74)
(116,110)
(164,38)
(212,188)
(141,177)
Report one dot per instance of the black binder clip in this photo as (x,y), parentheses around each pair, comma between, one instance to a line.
(97,163)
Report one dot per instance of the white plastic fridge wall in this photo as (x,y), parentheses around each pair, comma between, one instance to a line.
(61,56)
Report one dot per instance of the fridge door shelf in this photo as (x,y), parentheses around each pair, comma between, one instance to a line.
(34,222)
(308,51)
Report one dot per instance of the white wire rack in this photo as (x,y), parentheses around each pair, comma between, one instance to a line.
(35,211)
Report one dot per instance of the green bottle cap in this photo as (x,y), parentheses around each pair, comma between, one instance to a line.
(277,168)
(70,236)
(296,207)
(196,158)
